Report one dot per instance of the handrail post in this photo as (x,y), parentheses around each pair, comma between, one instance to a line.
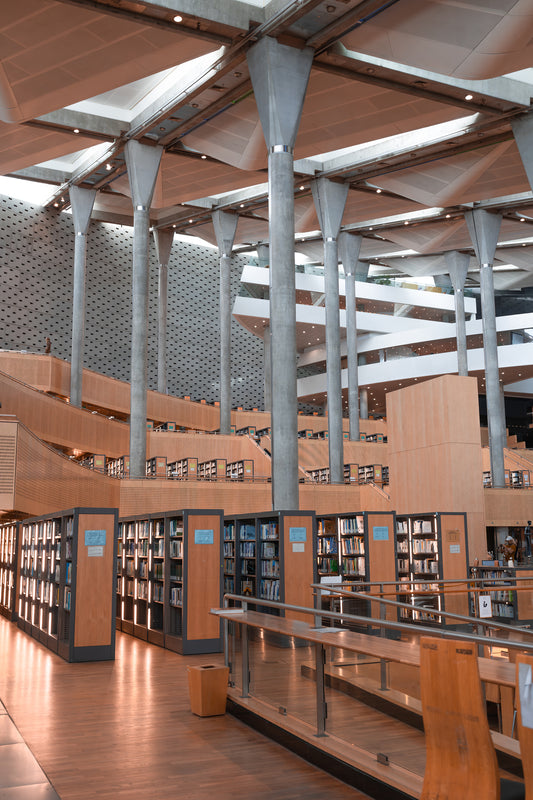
(227,661)
(321,708)
(382,633)
(245,658)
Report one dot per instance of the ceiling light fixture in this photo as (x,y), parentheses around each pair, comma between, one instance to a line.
(469,96)
(109,167)
(378,191)
(178,18)
(204,156)
(76,130)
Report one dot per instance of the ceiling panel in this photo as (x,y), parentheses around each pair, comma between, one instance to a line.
(338,112)
(23,146)
(55,54)
(472,39)
(449,181)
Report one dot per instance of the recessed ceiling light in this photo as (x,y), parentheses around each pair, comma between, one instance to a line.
(56,205)
(109,167)
(241,205)
(237,74)
(469,96)
(203,156)
(302,188)
(190,221)
(522,219)
(178,18)
(76,130)
(378,191)
(406,222)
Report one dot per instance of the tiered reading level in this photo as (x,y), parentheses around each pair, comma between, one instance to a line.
(8,568)
(170,576)
(67,576)
(431,546)
(271,556)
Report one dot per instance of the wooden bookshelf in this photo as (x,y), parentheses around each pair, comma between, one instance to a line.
(9,567)
(96,462)
(156,467)
(433,545)
(170,576)
(184,468)
(240,470)
(66,596)
(271,556)
(118,467)
(213,470)
(356,548)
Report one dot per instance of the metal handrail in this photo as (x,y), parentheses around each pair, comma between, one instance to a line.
(384,623)
(434,611)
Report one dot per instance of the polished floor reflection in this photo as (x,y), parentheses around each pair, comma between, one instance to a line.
(123,729)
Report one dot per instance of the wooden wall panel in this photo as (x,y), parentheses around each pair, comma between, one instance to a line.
(57,422)
(94,585)
(47,482)
(50,374)
(206,447)
(152,496)
(435,458)
(203,578)
(299,566)
(313,453)
(508,506)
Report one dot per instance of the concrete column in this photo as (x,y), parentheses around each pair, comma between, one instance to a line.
(163,244)
(279,77)
(349,247)
(263,255)
(363,403)
(81,201)
(225,225)
(457,264)
(484,229)
(267,367)
(330,199)
(142,162)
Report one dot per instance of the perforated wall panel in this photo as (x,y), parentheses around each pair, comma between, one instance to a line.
(36,262)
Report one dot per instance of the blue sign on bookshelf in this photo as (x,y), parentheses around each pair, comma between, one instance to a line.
(204,537)
(297,534)
(94,538)
(380,533)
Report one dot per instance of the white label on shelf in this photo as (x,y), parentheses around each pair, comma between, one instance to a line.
(485,606)
(298,547)
(95,551)
(332,580)
(455,548)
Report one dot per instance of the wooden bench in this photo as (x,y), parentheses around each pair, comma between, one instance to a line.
(460,756)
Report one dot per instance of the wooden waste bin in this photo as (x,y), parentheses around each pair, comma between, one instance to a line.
(208,687)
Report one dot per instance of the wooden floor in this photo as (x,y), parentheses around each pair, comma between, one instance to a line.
(124,729)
